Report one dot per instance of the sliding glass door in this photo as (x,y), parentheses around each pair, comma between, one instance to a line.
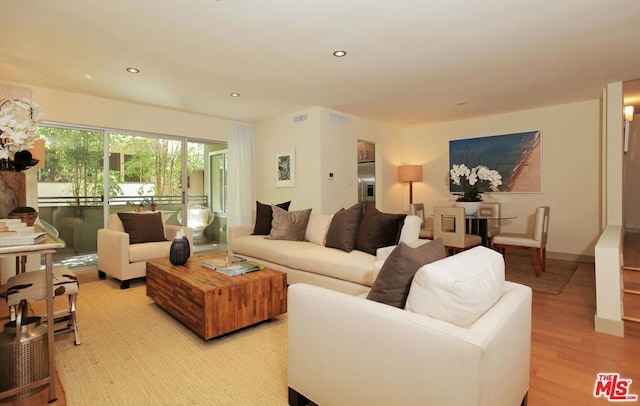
(207,216)
(91,173)
(70,185)
(145,175)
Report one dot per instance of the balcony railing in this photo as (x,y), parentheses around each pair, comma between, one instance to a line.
(93,201)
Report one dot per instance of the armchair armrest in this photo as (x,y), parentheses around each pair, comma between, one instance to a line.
(345,350)
(113,251)
(237,231)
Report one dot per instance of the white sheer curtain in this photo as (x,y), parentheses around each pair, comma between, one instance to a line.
(240,173)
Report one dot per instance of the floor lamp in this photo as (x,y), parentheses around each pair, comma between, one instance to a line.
(410,173)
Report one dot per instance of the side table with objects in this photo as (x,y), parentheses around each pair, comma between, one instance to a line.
(47,248)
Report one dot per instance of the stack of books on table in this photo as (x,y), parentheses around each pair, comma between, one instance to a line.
(14,226)
(231,266)
(10,239)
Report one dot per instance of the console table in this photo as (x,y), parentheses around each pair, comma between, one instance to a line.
(46,248)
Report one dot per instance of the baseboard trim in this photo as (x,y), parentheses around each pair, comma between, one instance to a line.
(591,259)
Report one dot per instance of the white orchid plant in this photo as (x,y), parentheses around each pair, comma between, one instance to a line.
(19,120)
(469,179)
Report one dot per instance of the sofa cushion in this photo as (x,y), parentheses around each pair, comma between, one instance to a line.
(264,216)
(149,251)
(378,229)
(460,288)
(394,280)
(257,246)
(317,228)
(355,266)
(143,228)
(289,225)
(343,229)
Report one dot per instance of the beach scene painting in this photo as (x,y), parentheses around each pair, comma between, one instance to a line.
(517,157)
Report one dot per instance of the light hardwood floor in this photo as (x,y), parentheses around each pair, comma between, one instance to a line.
(566,352)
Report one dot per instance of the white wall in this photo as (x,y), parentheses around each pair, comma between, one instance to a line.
(324,145)
(631,171)
(339,155)
(74,108)
(570,170)
(279,134)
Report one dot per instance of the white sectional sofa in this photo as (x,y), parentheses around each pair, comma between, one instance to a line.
(311,262)
(464,338)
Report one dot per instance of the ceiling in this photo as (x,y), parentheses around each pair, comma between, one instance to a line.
(409,62)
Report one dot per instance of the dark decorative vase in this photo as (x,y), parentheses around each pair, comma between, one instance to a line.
(186,240)
(180,251)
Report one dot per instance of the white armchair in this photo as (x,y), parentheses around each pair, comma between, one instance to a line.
(346,350)
(124,261)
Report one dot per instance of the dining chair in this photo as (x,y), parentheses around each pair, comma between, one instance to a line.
(426,230)
(536,241)
(491,209)
(454,235)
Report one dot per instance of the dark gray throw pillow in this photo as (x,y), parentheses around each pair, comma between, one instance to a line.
(378,229)
(143,227)
(264,216)
(394,280)
(343,229)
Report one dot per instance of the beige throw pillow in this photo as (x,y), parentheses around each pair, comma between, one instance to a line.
(317,228)
(289,225)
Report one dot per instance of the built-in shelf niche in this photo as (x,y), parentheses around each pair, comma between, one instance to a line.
(366,151)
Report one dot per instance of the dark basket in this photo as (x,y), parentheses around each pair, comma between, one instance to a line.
(28,218)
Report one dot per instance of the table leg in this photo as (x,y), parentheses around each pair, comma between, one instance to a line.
(483,230)
(480,227)
(50,327)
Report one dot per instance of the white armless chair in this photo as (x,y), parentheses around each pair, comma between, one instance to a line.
(536,241)
(426,230)
(455,238)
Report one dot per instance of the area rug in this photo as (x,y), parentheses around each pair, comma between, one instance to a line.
(134,353)
(522,269)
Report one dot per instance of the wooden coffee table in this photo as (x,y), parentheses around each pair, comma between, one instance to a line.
(210,303)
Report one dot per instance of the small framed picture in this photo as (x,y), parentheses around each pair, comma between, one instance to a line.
(286,168)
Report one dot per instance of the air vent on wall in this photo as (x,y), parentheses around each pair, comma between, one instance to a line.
(338,119)
(300,118)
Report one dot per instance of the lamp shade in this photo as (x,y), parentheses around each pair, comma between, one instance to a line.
(628,113)
(410,173)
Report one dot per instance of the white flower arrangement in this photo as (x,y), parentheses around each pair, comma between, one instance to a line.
(469,178)
(19,120)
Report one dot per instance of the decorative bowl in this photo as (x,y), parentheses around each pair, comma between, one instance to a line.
(28,218)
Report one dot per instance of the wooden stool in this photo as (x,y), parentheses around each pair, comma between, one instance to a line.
(30,287)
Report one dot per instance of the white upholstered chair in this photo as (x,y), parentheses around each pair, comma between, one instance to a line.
(536,241)
(198,219)
(455,238)
(426,228)
(124,261)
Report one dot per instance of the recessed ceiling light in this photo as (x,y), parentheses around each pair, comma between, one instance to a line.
(340,54)
(133,70)
(235,94)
